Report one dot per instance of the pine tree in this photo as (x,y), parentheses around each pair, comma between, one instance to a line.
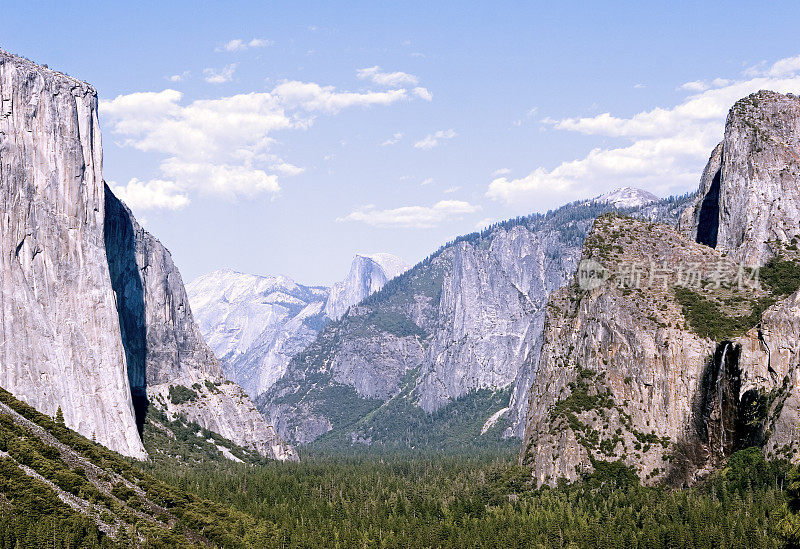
(59,416)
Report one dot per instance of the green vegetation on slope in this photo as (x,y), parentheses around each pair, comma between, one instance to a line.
(187,442)
(401,425)
(707,316)
(113,494)
(429,500)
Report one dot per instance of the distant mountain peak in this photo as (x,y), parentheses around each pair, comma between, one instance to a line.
(392,265)
(255,323)
(368,273)
(627,197)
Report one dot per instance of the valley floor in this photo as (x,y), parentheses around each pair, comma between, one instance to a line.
(438,501)
(58,489)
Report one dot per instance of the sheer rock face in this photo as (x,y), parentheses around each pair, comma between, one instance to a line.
(491,310)
(163,343)
(93,313)
(769,358)
(617,365)
(757,208)
(368,274)
(60,342)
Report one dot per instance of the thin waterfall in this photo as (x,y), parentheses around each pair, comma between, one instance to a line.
(721,372)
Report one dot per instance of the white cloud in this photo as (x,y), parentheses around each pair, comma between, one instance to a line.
(694,86)
(180,77)
(393,80)
(222,146)
(393,140)
(433,140)
(313,97)
(663,149)
(423,93)
(260,43)
(782,67)
(155,193)
(427,181)
(225,74)
(501,171)
(451,190)
(237,44)
(389,79)
(639,86)
(228,181)
(419,217)
(288,169)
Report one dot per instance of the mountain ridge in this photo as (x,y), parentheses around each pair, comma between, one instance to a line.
(255,324)
(395,343)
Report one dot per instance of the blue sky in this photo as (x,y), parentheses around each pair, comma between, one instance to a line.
(283,137)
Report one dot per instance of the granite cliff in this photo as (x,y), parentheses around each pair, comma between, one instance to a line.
(60,344)
(95,319)
(683,349)
(749,200)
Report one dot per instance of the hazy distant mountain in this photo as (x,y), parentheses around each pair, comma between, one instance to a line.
(256,324)
(368,274)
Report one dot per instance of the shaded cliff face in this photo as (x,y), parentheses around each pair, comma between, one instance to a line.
(749,201)
(462,324)
(60,343)
(166,352)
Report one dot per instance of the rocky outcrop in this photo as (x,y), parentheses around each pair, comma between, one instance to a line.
(619,369)
(749,201)
(60,340)
(651,367)
(701,362)
(465,320)
(368,274)
(94,318)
